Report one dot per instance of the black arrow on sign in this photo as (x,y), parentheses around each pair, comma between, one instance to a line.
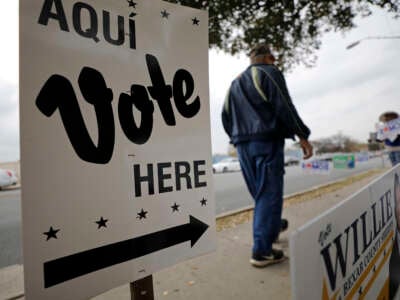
(82,263)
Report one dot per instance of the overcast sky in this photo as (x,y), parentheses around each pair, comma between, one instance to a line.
(346,90)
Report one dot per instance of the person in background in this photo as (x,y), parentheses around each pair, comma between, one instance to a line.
(258,115)
(392,147)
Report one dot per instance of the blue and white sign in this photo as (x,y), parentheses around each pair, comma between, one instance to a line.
(362,157)
(389,130)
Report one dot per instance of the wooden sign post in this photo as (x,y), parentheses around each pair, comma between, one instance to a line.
(142,289)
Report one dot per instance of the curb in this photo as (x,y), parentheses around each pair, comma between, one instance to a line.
(11,188)
(11,283)
(238,216)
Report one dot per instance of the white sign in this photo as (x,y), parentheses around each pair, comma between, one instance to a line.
(389,130)
(344,253)
(115,142)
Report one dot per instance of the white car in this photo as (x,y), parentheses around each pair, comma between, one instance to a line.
(291,160)
(228,164)
(7,178)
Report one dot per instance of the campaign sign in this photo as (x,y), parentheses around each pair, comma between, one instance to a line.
(344,161)
(115,142)
(315,166)
(389,130)
(394,267)
(362,157)
(344,253)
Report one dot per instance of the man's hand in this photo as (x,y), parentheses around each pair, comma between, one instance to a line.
(306,147)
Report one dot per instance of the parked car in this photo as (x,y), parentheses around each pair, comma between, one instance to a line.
(228,164)
(7,178)
(291,160)
(325,156)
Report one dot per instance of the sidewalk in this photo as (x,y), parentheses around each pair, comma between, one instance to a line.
(226,273)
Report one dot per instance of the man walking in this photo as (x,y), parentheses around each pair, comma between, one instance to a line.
(258,115)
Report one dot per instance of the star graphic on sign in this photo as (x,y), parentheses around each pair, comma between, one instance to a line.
(196,21)
(52,233)
(203,202)
(142,214)
(131,3)
(165,14)
(175,207)
(101,223)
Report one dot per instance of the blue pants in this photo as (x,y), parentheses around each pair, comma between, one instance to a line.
(262,164)
(394,157)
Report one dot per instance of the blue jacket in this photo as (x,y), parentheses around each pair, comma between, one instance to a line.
(395,143)
(258,107)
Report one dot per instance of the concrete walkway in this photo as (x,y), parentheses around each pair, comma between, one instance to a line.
(226,273)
